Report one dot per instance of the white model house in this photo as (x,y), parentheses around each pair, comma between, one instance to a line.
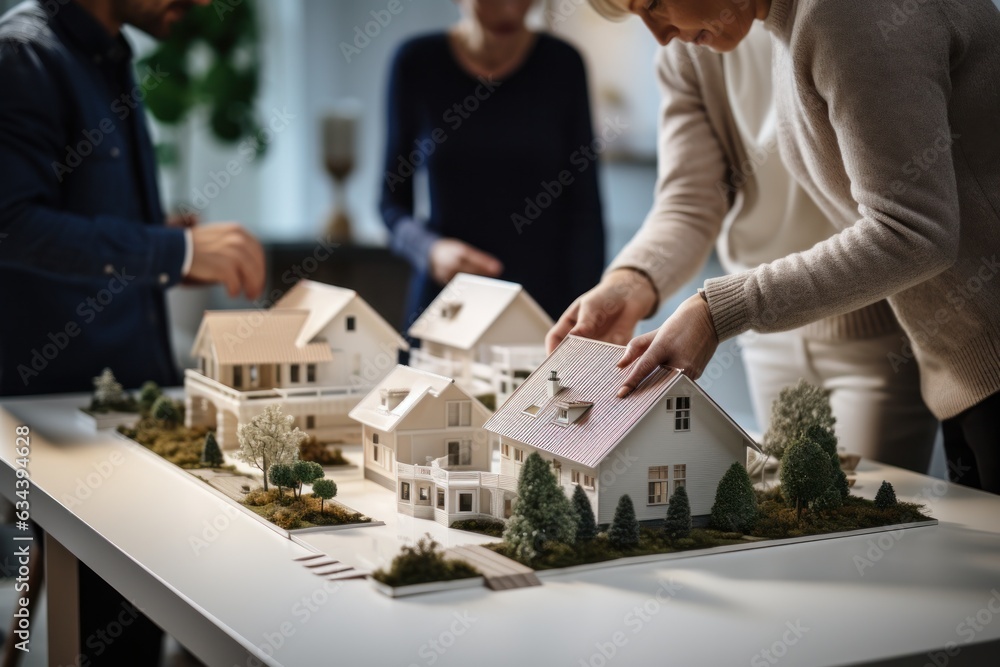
(487,334)
(423,439)
(316,353)
(667,433)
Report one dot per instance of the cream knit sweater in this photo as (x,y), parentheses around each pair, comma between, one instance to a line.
(891,122)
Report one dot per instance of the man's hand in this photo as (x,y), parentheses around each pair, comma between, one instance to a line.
(451,256)
(224,252)
(686,341)
(608,312)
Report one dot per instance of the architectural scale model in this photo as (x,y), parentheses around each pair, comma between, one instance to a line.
(487,334)
(315,354)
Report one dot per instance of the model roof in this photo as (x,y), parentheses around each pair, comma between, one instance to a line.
(259,337)
(324,302)
(416,383)
(467,307)
(588,373)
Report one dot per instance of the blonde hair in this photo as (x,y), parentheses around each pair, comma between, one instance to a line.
(609,9)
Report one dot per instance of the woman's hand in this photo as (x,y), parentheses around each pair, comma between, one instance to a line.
(686,341)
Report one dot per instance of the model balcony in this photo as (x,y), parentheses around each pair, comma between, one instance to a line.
(239,395)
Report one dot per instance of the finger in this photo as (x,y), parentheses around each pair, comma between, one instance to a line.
(635,348)
(646,364)
(231,280)
(562,328)
(481,262)
(592,322)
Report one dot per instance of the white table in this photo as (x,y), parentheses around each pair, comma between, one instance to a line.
(836,601)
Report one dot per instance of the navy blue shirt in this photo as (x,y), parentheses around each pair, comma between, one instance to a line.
(84,254)
(510,168)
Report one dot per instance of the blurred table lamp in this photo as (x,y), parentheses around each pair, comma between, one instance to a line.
(340,128)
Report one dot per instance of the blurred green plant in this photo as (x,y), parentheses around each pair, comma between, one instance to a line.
(213,60)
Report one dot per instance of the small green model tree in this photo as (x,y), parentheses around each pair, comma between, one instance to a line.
(108,392)
(305,472)
(542,512)
(165,412)
(586,524)
(211,455)
(423,563)
(324,489)
(735,507)
(624,532)
(886,496)
(829,499)
(678,523)
(796,409)
(269,438)
(805,473)
(281,475)
(148,394)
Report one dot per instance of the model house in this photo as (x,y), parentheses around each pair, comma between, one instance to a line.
(316,352)
(486,334)
(424,440)
(668,433)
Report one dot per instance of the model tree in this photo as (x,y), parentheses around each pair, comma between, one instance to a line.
(211,455)
(281,476)
(805,473)
(165,412)
(586,524)
(542,512)
(269,438)
(148,394)
(827,440)
(735,507)
(624,532)
(886,496)
(108,392)
(796,409)
(324,489)
(678,523)
(305,472)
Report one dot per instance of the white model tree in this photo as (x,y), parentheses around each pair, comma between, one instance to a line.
(107,390)
(269,438)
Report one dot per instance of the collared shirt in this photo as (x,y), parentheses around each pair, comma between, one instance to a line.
(84,253)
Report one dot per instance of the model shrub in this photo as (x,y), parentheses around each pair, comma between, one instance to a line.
(735,507)
(211,455)
(829,499)
(624,532)
(796,409)
(805,473)
(678,523)
(305,472)
(165,412)
(148,394)
(586,524)
(542,512)
(324,489)
(281,475)
(886,496)
(421,564)
(312,449)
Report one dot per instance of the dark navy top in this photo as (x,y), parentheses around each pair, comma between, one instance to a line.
(510,168)
(84,255)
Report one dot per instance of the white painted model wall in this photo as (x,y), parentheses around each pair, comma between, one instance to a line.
(369,350)
(708,449)
(519,325)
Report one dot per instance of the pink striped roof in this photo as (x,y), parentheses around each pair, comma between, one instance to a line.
(589,373)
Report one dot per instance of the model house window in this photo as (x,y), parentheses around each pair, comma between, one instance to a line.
(295,372)
(201,365)
(465,502)
(404,490)
(237,376)
(253,375)
(351,323)
(531,410)
(375,438)
(575,476)
(277,374)
(460,453)
(459,413)
(670,404)
(423,493)
(503,385)
(659,478)
(310,372)
(680,475)
(562,416)
(519,455)
(505,450)
(682,418)
(440,499)
(589,482)
(375,453)
(557,469)
(310,421)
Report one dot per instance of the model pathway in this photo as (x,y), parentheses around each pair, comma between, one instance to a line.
(501,573)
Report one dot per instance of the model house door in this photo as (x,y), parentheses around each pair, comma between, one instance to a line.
(454,452)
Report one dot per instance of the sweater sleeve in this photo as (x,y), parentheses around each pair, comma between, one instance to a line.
(689,204)
(586,254)
(408,237)
(886,101)
(35,233)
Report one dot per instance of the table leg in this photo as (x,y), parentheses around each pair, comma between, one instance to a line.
(63,591)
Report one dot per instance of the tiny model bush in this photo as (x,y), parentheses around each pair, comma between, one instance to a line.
(678,522)
(324,489)
(886,496)
(735,507)
(586,524)
(211,455)
(541,514)
(109,395)
(624,532)
(421,564)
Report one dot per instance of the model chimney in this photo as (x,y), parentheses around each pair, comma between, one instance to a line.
(553,383)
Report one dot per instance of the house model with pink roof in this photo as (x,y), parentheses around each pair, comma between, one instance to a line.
(666,434)
(316,352)
(487,334)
